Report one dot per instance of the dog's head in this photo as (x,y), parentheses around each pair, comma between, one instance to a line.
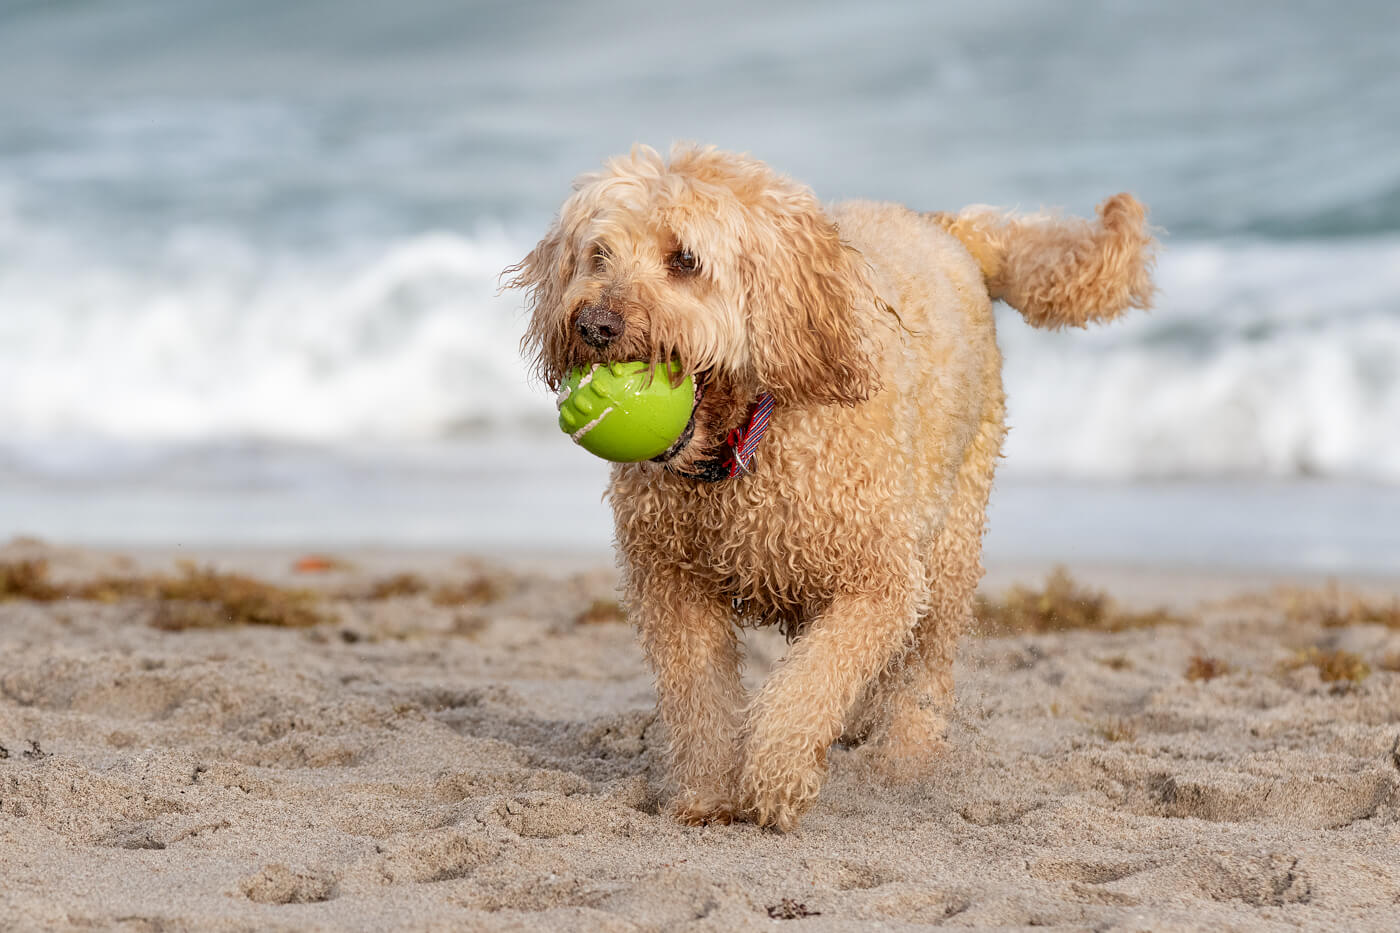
(710,259)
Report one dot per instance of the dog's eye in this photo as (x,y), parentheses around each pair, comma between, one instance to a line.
(683,262)
(600,258)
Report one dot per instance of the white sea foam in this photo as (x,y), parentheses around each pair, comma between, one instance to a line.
(1280,359)
(1262,358)
(212,340)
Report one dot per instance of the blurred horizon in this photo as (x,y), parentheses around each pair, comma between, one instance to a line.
(252,250)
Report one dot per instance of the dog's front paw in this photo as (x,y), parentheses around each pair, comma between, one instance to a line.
(776,807)
(704,808)
(776,789)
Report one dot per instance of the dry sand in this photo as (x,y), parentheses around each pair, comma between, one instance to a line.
(497,766)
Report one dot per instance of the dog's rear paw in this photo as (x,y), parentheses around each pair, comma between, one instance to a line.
(905,764)
(909,748)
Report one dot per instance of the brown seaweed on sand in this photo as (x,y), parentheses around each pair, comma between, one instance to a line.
(195,597)
(1061,605)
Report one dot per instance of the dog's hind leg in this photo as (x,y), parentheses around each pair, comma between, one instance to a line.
(904,714)
(692,646)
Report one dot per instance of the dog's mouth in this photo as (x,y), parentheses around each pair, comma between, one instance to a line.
(702,381)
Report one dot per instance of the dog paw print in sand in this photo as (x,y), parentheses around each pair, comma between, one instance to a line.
(539,816)
(676,895)
(488,865)
(280,884)
(551,815)
(1091,873)
(914,902)
(996,811)
(603,748)
(443,855)
(1090,867)
(847,874)
(1258,880)
(157,834)
(1323,801)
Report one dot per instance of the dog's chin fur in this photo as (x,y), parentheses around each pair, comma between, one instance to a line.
(859,527)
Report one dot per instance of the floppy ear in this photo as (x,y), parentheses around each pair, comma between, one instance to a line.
(545,274)
(803,286)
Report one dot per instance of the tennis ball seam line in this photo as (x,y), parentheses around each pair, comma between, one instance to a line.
(578,435)
(566,391)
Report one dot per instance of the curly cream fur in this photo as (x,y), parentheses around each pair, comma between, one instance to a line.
(1061,272)
(859,528)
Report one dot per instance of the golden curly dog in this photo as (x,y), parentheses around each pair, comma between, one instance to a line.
(857,524)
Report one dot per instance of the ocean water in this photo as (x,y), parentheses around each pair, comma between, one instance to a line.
(249,253)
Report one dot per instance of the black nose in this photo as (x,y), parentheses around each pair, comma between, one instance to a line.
(598,327)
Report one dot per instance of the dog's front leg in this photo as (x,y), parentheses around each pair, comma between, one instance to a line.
(801,709)
(694,650)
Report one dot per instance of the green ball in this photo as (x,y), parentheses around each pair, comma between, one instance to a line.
(625,412)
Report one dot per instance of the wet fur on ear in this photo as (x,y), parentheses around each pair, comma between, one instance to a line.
(802,287)
(544,274)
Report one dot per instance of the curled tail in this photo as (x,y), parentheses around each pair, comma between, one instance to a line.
(1057,271)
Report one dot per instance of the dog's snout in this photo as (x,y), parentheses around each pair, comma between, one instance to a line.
(599,327)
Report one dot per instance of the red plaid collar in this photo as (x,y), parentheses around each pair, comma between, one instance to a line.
(732,458)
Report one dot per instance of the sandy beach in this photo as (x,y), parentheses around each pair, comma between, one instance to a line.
(428,741)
